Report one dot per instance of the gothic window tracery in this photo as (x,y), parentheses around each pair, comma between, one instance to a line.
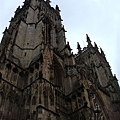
(58,73)
(47,29)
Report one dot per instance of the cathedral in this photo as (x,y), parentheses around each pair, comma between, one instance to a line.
(40,77)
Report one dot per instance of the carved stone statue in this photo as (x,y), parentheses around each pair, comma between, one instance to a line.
(114,95)
(83,73)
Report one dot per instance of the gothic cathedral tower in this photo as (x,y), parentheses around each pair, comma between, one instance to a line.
(41,79)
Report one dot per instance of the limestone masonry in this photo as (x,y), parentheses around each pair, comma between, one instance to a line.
(41,79)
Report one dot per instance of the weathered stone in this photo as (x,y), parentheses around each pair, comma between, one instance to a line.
(41,79)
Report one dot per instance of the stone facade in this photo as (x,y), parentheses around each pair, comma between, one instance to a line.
(41,79)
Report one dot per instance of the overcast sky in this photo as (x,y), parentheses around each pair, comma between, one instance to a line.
(100,19)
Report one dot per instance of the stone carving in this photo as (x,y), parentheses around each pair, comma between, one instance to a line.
(115,97)
(113,89)
(96,47)
(83,72)
(28,82)
(57,8)
(71,71)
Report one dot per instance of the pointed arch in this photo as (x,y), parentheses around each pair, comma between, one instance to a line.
(47,29)
(58,72)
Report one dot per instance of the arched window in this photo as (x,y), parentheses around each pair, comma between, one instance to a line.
(48,26)
(58,72)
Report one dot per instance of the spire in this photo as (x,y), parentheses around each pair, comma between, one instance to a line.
(95,45)
(102,52)
(63,28)
(78,47)
(57,8)
(88,41)
(68,46)
(115,78)
(5,30)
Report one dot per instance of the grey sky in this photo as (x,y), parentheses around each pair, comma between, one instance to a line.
(100,19)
